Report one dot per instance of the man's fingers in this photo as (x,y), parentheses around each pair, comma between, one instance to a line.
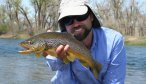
(66,48)
(62,50)
(59,49)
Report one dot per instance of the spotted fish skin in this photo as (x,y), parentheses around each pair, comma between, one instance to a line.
(49,41)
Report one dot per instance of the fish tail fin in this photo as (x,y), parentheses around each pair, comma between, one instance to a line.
(96,70)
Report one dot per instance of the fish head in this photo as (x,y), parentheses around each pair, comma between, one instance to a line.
(33,45)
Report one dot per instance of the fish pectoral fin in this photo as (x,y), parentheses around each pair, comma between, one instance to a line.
(38,55)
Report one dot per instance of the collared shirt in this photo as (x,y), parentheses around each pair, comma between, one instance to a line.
(108,49)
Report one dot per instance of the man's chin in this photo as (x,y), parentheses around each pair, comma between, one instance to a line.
(80,33)
(79,37)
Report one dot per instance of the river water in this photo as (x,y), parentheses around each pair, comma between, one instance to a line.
(27,69)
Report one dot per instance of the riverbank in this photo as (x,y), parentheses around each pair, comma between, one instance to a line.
(19,36)
(6,36)
(129,40)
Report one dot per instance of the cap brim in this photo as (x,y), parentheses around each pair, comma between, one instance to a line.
(71,11)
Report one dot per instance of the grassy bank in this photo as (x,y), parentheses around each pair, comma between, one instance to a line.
(141,41)
(18,36)
(6,36)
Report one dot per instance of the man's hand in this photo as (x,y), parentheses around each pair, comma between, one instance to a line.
(61,51)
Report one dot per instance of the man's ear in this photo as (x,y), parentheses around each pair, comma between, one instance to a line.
(91,17)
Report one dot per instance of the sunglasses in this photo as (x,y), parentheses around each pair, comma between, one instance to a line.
(69,20)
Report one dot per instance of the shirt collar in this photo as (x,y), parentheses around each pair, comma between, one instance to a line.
(94,42)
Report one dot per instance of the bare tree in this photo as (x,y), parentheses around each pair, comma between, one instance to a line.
(10,13)
(2,14)
(113,13)
(126,19)
(45,14)
(29,23)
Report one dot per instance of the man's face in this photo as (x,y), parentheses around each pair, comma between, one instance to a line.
(80,28)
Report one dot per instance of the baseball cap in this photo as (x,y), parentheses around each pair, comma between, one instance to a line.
(76,7)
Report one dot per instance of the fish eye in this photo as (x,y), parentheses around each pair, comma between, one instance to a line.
(29,42)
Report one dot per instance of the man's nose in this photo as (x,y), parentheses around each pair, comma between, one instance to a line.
(76,23)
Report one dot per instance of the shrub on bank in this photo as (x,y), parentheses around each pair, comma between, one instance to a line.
(3,29)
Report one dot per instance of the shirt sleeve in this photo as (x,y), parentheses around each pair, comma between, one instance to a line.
(117,66)
(54,63)
(71,73)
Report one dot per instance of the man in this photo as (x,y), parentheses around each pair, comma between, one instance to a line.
(106,46)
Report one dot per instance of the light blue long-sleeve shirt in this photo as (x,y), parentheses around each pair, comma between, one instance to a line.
(108,49)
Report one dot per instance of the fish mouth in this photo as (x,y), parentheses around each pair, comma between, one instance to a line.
(25,46)
(27,49)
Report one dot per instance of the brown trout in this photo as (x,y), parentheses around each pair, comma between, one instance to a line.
(49,41)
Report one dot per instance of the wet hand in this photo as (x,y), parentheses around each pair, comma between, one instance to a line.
(62,51)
